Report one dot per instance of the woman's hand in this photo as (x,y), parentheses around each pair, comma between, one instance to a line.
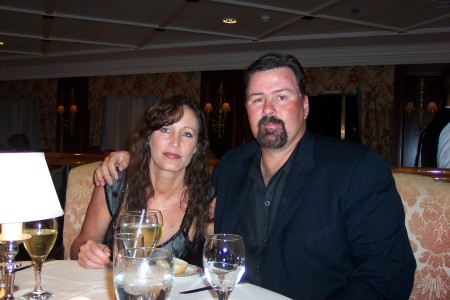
(107,172)
(94,255)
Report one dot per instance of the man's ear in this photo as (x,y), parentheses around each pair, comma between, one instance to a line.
(305,106)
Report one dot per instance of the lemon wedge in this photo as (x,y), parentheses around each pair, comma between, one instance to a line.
(179,266)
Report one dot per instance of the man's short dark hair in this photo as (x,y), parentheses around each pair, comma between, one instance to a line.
(274,60)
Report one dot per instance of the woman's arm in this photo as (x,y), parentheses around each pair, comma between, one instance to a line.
(87,247)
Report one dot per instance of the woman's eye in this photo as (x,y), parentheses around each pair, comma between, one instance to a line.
(164,130)
(188,134)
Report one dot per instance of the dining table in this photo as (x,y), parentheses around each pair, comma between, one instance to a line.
(69,281)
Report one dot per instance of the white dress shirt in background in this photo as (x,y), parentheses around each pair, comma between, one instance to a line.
(443,154)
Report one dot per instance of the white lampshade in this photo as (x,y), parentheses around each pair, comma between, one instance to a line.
(27,192)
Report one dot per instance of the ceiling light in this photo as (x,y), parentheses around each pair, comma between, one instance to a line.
(1,43)
(229,20)
(265,18)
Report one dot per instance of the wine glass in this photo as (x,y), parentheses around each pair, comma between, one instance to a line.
(43,236)
(224,262)
(151,227)
(123,240)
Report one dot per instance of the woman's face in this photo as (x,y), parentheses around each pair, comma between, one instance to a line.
(172,146)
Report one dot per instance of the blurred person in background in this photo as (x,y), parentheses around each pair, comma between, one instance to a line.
(19,143)
(435,140)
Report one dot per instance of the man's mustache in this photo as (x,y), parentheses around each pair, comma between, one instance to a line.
(270,120)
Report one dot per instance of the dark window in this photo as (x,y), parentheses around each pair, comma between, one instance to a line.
(326,114)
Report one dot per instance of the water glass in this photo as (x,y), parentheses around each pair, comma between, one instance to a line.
(224,262)
(126,241)
(143,273)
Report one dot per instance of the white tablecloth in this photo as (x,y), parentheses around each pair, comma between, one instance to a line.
(67,280)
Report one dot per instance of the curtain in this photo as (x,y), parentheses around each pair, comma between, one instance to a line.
(375,85)
(147,87)
(121,117)
(29,106)
(20,117)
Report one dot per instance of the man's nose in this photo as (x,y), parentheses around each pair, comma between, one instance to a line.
(269,107)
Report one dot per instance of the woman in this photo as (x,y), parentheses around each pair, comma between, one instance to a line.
(168,171)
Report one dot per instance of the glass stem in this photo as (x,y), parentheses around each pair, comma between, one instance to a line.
(37,264)
(223,295)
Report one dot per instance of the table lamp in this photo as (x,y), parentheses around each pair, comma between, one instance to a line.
(27,193)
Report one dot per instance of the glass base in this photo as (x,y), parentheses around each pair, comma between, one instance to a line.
(37,296)
(223,295)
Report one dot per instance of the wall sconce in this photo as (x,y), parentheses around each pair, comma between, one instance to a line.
(422,107)
(68,123)
(217,116)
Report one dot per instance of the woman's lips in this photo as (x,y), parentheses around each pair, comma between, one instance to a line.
(171,155)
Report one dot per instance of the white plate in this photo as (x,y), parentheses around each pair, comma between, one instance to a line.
(191,270)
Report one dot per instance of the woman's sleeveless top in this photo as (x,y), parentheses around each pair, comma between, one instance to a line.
(179,244)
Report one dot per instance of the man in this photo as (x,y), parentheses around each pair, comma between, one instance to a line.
(320,218)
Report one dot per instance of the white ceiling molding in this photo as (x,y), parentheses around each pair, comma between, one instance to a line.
(351,56)
(87,38)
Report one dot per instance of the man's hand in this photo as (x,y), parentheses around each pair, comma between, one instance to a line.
(107,172)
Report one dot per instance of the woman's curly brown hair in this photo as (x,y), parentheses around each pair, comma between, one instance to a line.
(197,194)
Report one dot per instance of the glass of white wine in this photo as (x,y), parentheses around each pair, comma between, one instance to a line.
(151,227)
(224,262)
(43,236)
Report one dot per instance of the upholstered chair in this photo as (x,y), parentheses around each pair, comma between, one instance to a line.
(427,208)
(80,186)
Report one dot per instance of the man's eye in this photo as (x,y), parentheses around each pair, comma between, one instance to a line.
(256,100)
(282,97)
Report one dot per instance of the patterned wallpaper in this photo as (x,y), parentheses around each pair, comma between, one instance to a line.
(375,84)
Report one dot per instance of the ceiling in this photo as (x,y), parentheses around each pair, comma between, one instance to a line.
(66,38)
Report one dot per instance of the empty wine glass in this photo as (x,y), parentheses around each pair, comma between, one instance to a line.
(151,227)
(123,240)
(43,236)
(224,262)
